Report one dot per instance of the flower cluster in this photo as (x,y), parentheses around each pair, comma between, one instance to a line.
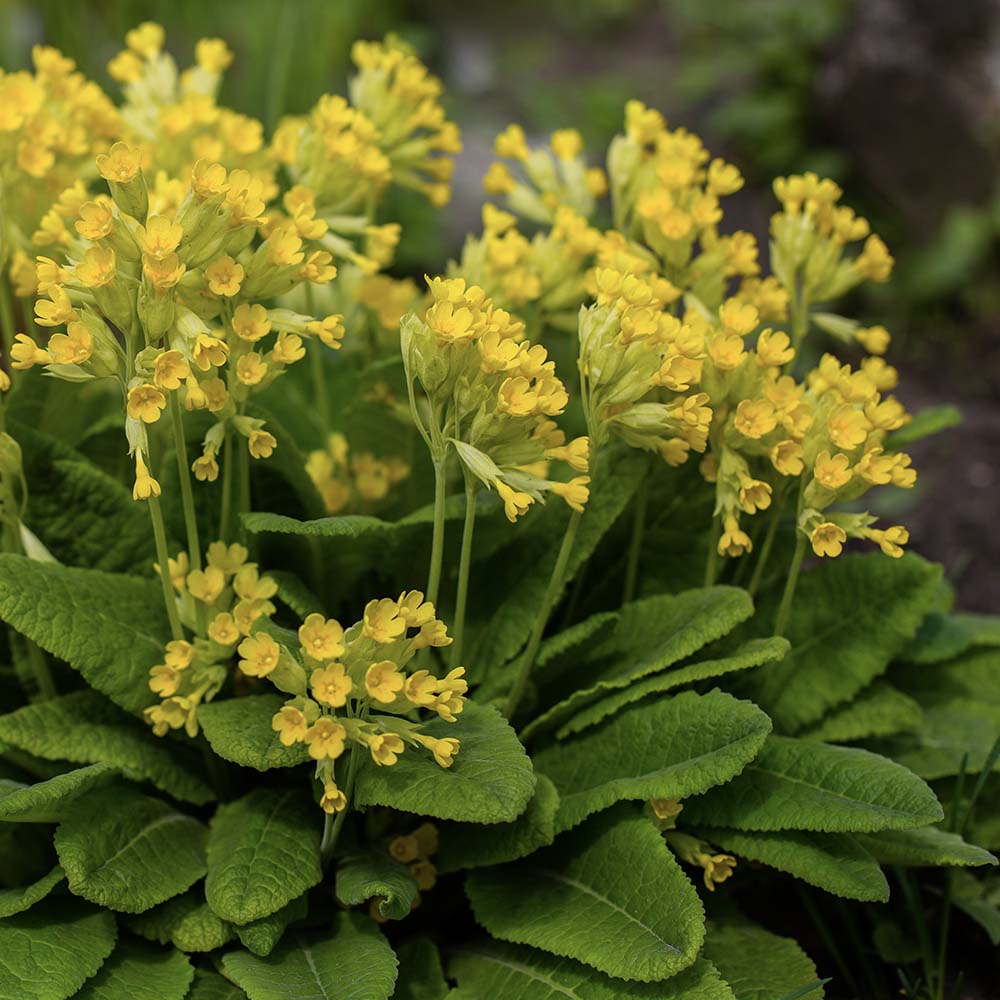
(491,395)
(231,596)
(353,687)
(349,480)
(177,278)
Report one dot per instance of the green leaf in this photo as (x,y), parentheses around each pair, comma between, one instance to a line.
(24,897)
(974,676)
(651,634)
(609,894)
(491,780)
(927,847)
(671,748)
(955,735)
(930,420)
(48,952)
(295,593)
(974,899)
(420,974)
(354,963)
(498,970)
(851,617)
(759,965)
(263,852)
(111,628)
(239,730)
(835,862)
(880,710)
(524,579)
(212,986)
(86,728)
(186,921)
(472,845)
(47,801)
(261,936)
(367,874)
(126,851)
(83,516)
(752,653)
(800,785)
(140,971)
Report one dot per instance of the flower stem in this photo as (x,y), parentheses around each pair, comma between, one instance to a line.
(464,565)
(6,319)
(331,830)
(635,546)
(187,498)
(437,540)
(243,488)
(160,535)
(226,504)
(784,609)
(712,561)
(551,592)
(765,551)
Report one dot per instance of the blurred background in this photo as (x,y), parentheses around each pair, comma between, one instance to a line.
(897,100)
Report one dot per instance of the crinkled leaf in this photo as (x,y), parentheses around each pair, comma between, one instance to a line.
(974,676)
(490,781)
(421,976)
(796,784)
(186,921)
(47,801)
(127,851)
(367,874)
(212,986)
(650,635)
(472,845)
(759,965)
(851,617)
(140,971)
(263,852)
(295,593)
(110,627)
(239,730)
(609,894)
(975,899)
(354,962)
(261,936)
(835,862)
(752,653)
(671,748)
(86,728)
(493,969)
(880,710)
(48,952)
(925,847)
(24,897)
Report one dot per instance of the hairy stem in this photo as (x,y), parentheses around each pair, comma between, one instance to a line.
(541,620)
(226,503)
(635,545)
(187,499)
(464,566)
(437,540)
(784,609)
(712,560)
(331,830)
(163,557)
(765,551)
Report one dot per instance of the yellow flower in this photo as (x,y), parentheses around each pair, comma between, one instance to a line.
(755,418)
(74,347)
(159,238)
(873,338)
(179,654)
(145,485)
(754,495)
(828,539)
(444,749)
(163,272)
(385,748)
(738,317)
(511,143)
(331,685)
(145,403)
(228,558)
(170,369)
(249,585)
(515,503)
(290,724)
(575,492)
(224,276)
(145,40)
(321,638)
(212,54)
(96,220)
(733,541)
(498,179)
(208,180)
(566,143)
(288,349)
(383,681)
(262,444)
(164,680)
(891,540)
(251,369)
(666,808)
(205,467)
(206,584)
(726,351)
(421,688)
(222,629)
(251,322)
(874,262)
(329,330)
(325,738)
(774,349)
(788,458)
(120,165)
(414,610)
(382,621)
(25,353)
(433,633)
(423,872)
(209,352)
(847,426)
(259,654)
(333,799)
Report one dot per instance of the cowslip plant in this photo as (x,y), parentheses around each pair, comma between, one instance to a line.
(580,747)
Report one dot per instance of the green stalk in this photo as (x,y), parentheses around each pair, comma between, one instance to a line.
(765,551)
(541,620)
(912,898)
(789,595)
(635,545)
(243,488)
(331,830)
(187,498)
(712,561)
(437,540)
(225,509)
(6,319)
(464,566)
(162,557)
(315,348)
